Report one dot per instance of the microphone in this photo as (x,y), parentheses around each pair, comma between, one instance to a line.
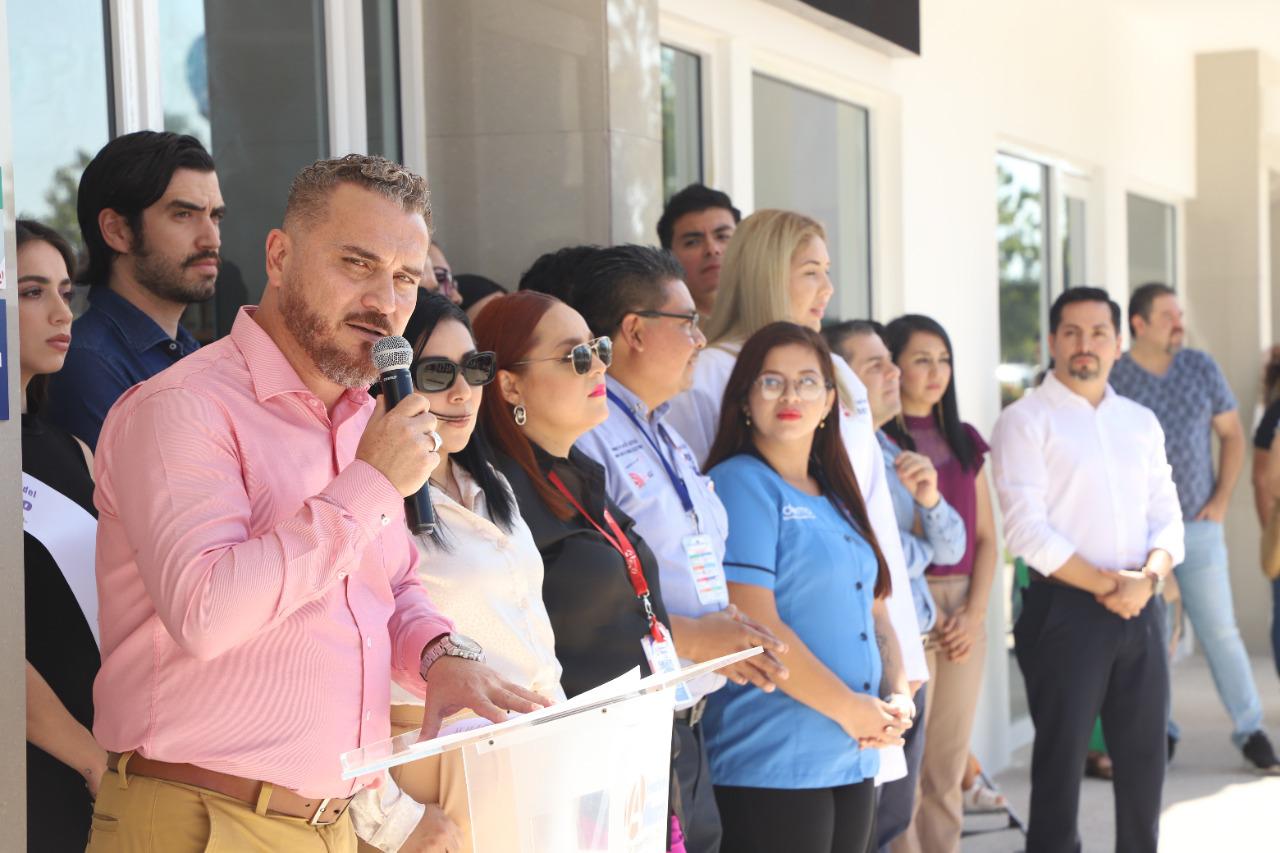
(392,356)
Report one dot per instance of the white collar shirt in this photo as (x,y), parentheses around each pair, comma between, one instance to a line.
(1073,478)
(489,581)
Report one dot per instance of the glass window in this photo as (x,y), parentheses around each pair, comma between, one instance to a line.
(1021,200)
(60,94)
(1152,235)
(681,120)
(1073,242)
(248,79)
(811,156)
(382,78)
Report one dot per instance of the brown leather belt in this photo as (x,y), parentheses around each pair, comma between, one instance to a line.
(317,812)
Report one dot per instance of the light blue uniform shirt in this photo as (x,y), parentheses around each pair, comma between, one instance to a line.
(823,576)
(942,544)
(637,482)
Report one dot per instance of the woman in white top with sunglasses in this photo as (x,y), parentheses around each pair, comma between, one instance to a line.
(480,566)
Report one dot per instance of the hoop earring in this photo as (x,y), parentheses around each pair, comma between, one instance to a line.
(520,415)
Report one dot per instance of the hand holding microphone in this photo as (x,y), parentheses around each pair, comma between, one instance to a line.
(401,439)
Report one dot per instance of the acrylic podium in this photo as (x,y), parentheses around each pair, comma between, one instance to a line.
(589,774)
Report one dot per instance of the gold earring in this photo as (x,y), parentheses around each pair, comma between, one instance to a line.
(520,414)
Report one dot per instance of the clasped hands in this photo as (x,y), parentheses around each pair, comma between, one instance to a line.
(1133,589)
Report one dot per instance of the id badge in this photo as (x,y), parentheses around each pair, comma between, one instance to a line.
(708,573)
(662,658)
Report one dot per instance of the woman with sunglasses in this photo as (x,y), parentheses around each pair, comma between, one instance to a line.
(601,585)
(794,769)
(480,565)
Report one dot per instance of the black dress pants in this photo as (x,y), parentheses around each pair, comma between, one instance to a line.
(699,816)
(798,820)
(1080,660)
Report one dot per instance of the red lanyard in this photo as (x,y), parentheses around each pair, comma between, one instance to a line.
(623,546)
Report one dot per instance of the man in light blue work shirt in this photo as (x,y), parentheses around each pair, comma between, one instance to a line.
(636,295)
(938,540)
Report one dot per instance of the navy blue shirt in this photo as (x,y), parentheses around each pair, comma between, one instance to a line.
(114,346)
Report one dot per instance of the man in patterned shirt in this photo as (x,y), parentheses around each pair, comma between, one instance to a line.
(1190,396)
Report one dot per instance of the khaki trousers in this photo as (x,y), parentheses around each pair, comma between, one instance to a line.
(440,779)
(138,814)
(950,706)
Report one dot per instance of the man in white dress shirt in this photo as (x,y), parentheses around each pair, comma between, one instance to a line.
(1089,502)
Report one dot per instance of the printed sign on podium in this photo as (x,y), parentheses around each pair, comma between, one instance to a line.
(589,774)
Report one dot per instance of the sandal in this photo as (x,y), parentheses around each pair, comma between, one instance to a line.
(1097,765)
(982,800)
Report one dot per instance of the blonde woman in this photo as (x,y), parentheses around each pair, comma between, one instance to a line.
(777,269)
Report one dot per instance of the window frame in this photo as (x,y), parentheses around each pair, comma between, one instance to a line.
(1178,204)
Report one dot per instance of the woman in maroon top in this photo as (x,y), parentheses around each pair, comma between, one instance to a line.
(930,424)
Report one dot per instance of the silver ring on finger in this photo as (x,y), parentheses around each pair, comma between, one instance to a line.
(436,440)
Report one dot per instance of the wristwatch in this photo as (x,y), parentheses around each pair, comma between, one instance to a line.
(454,645)
(1157,580)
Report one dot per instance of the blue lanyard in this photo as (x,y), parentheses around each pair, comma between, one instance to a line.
(686,500)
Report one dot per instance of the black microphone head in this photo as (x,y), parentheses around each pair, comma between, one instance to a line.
(392,353)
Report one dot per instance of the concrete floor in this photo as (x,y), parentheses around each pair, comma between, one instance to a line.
(1212,802)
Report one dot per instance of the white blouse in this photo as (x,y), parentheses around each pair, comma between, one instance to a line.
(490,584)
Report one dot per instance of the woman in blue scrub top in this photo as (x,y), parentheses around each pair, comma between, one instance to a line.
(794,769)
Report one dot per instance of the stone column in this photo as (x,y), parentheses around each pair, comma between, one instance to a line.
(1227,292)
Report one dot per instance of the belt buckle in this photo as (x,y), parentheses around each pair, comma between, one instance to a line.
(315,818)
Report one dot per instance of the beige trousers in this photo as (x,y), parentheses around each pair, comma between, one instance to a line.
(440,779)
(950,706)
(138,814)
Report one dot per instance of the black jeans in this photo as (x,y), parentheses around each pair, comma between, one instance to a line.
(1078,660)
(699,816)
(803,820)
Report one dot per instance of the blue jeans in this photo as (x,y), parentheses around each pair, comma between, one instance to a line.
(1206,595)
(1275,622)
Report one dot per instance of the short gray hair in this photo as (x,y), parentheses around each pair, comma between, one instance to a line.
(309,192)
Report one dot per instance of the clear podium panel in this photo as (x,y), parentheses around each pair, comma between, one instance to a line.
(596,781)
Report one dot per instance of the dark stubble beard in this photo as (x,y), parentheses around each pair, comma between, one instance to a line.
(1084,374)
(165,278)
(316,337)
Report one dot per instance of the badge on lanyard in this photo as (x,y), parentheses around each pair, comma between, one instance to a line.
(662,657)
(708,573)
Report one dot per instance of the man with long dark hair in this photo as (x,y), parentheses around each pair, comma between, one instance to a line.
(150,213)
(1089,502)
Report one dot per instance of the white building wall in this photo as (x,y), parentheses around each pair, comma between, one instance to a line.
(1078,84)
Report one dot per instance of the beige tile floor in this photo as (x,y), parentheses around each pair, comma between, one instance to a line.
(1212,802)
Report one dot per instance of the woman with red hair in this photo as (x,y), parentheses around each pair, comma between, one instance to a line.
(600,581)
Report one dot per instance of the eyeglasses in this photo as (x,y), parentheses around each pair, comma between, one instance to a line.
(581,355)
(691,319)
(807,388)
(436,373)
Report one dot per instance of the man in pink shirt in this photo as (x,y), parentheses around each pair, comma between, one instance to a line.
(256,578)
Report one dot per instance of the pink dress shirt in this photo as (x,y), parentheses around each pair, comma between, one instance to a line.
(258,587)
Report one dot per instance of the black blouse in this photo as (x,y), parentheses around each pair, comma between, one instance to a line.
(597,618)
(60,645)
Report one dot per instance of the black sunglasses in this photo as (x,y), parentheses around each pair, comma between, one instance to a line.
(581,355)
(436,373)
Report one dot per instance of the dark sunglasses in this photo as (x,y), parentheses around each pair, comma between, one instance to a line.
(436,373)
(581,355)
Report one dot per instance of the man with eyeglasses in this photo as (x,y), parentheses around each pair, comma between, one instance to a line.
(442,275)
(636,295)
